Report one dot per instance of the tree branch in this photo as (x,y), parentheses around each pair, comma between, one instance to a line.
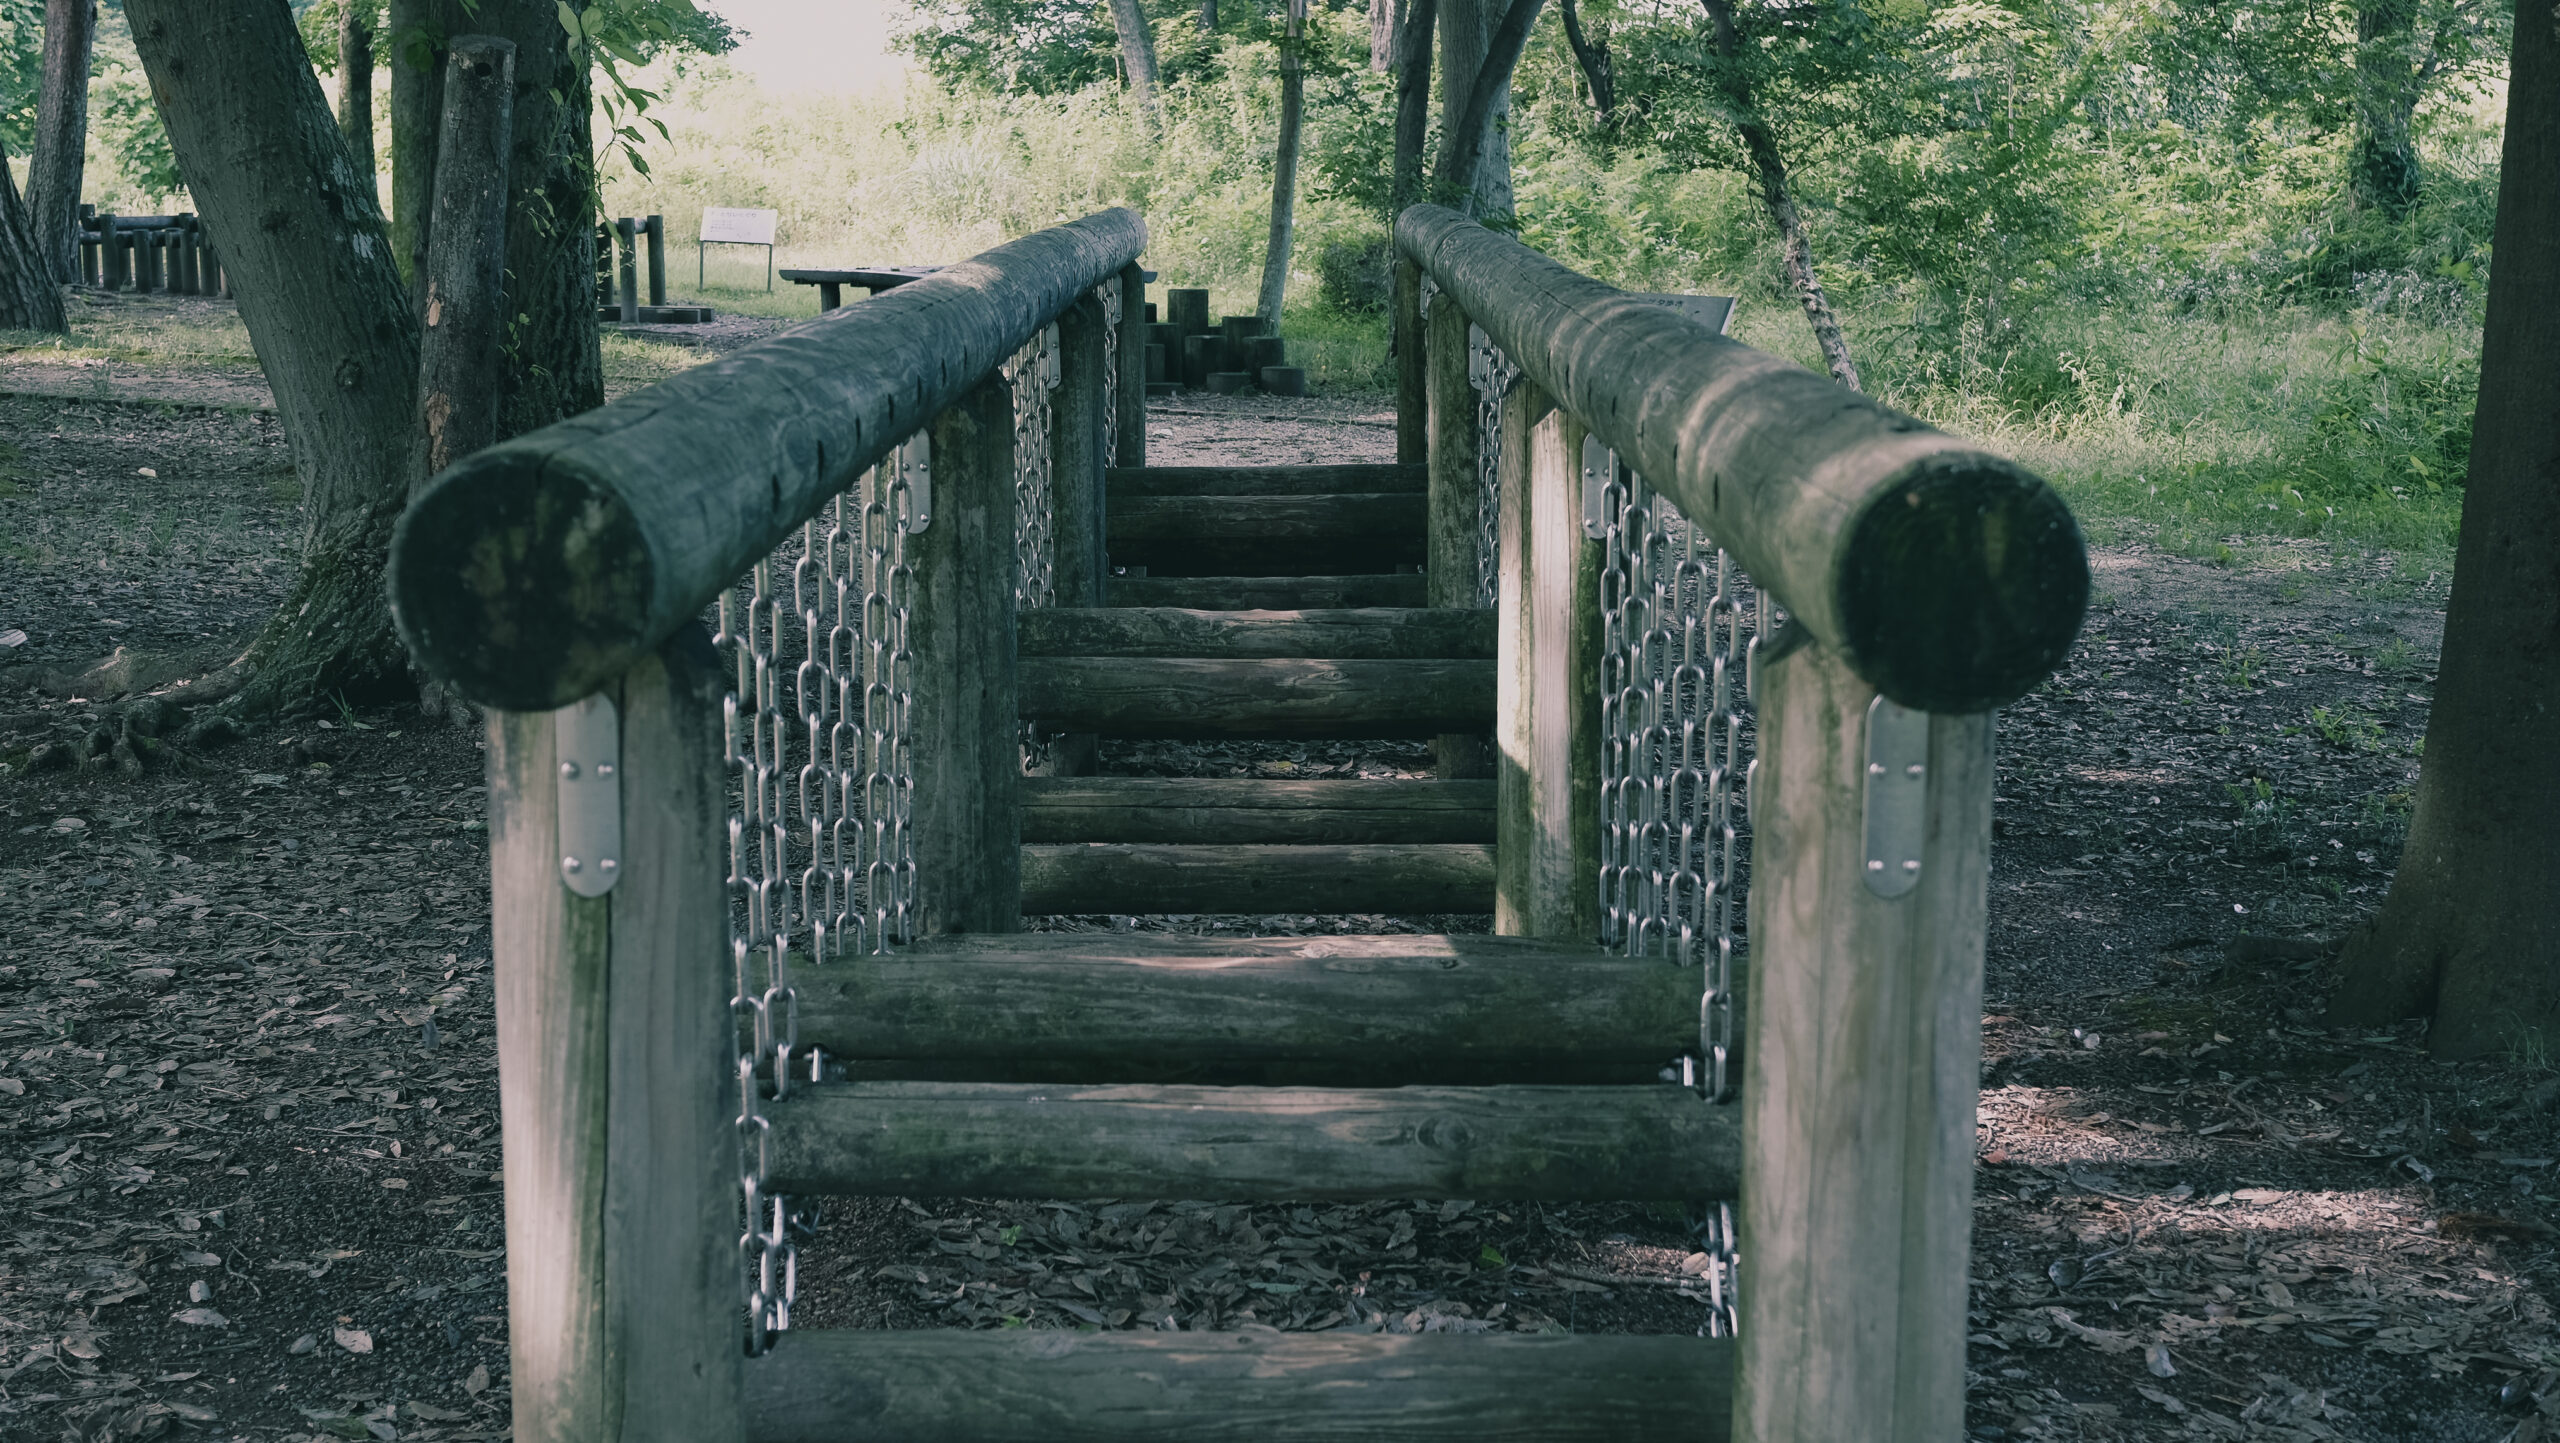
(1462,154)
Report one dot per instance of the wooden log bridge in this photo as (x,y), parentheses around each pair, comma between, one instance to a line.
(759,897)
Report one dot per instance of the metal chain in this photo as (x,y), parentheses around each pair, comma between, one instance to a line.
(818,731)
(1724,1268)
(1679,621)
(1033,373)
(1109,294)
(1493,374)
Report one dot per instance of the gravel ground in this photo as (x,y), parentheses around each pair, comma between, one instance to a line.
(248,1098)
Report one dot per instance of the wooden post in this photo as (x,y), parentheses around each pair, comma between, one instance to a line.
(146,250)
(89,268)
(1132,420)
(655,228)
(1449,565)
(616,1090)
(1547,689)
(625,244)
(1862,1045)
(1413,409)
(110,253)
(968,756)
(466,260)
(1076,499)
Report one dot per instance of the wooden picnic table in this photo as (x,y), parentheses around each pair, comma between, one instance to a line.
(873,279)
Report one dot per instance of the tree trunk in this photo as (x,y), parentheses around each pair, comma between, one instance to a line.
(62,136)
(1599,76)
(1208,17)
(30,300)
(1137,50)
(1468,158)
(1466,36)
(2382,169)
(304,243)
(1383,24)
(419,31)
(1795,242)
(1413,100)
(2470,933)
(458,366)
(1284,168)
(355,81)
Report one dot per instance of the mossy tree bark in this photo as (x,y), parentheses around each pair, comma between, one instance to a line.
(355,79)
(1469,83)
(62,135)
(29,298)
(2470,933)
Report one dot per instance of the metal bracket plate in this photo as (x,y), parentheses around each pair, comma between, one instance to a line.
(587,736)
(1897,794)
(914,457)
(1599,468)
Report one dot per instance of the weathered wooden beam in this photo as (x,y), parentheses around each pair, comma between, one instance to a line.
(1186,697)
(1861,1066)
(621,1185)
(1406,879)
(1370,1010)
(1370,479)
(1264,593)
(1338,633)
(1451,541)
(1951,578)
(968,750)
(1408,340)
(1546,1144)
(1131,422)
(1266,535)
(1253,811)
(538,568)
(1078,429)
(1547,696)
(1256,1386)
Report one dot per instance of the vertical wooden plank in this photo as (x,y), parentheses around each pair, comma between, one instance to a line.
(1076,500)
(1450,530)
(968,757)
(671,1184)
(1548,686)
(1861,1054)
(655,229)
(1413,409)
(1132,420)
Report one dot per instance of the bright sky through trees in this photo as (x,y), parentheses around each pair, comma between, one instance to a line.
(820,45)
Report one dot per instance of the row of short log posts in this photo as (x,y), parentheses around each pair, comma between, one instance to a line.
(1453,526)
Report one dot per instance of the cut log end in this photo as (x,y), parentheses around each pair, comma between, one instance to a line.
(1964,586)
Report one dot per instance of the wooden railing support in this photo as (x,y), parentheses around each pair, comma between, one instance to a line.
(616,1094)
(1451,527)
(1862,1045)
(1547,682)
(968,756)
(1077,499)
(1132,420)
(1411,347)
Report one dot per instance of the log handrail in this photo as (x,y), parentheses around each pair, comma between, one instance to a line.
(535,571)
(1951,579)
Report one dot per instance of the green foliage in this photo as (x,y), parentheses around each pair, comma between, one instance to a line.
(21,72)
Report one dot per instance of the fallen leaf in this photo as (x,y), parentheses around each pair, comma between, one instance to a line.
(2156,1358)
(200,1317)
(354,1340)
(2163,1399)
(478,1382)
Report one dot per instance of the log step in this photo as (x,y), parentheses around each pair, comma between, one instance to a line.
(1132,481)
(1144,877)
(1184,697)
(1018,1385)
(1256,593)
(1253,1144)
(1346,634)
(1266,535)
(1342,1011)
(1251,811)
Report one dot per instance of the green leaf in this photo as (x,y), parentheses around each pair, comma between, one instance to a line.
(1491,1257)
(572,22)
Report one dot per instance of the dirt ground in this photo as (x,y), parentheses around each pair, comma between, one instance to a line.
(248,1141)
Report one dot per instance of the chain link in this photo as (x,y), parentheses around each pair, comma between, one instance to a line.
(1492,373)
(1109,294)
(1724,1269)
(817,733)
(1033,374)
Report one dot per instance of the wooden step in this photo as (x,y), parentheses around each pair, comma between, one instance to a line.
(1237,811)
(1253,1144)
(1183,697)
(1127,481)
(1143,877)
(1340,1011)
(1021,1385)
(1346,634)
(1266,535)
(1253,593)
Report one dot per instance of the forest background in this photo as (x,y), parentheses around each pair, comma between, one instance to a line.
(2216,268)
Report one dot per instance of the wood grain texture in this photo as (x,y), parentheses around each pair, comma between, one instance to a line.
(1952,578)
(1253,1386)
(1076,430)
(968,757)
(537,568)
(1258,593)
(1407,340)
(1250,810)
(1550,1144)
(1364,478)
(1145,878)
(1340,634)
(1266,535)
(1187,697)
(1131,422)
(1377,1005)
(1548,709)
(1862,1053)
(1450,529)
